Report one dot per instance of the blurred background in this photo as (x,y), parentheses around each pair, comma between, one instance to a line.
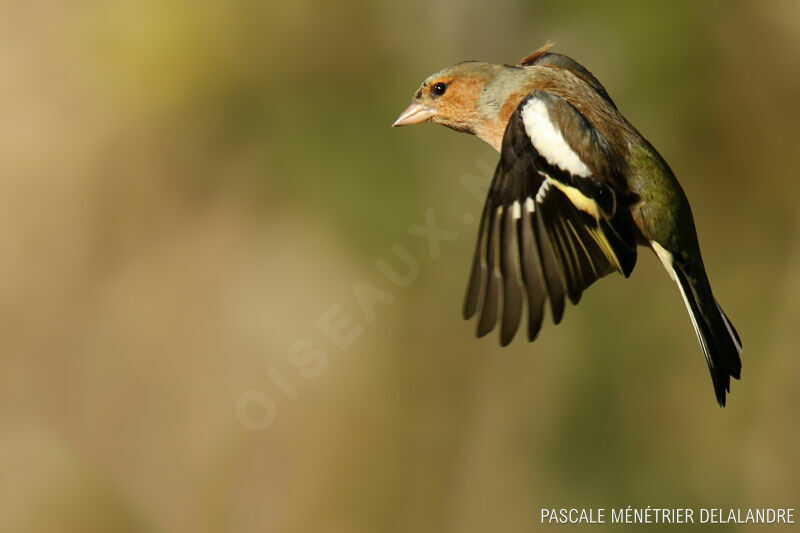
(189,188)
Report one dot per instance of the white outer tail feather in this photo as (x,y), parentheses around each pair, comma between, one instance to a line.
(694,319)
(666,259)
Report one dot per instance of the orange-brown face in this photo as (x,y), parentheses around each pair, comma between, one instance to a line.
(449,99)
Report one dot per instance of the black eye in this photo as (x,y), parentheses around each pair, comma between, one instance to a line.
(439,88)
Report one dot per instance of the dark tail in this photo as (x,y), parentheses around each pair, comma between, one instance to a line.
(718,338)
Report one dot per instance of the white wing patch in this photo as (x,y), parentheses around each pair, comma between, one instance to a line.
(529,205)
(543,190)
(549,141)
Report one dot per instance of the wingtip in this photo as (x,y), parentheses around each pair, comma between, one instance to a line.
(470,306)
(480,333)
(506,338)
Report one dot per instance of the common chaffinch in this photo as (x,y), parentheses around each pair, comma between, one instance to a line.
(576,189)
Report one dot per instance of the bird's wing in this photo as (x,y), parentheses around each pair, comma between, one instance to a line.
(551,225)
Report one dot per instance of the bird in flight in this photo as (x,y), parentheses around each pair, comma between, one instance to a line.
(576,189)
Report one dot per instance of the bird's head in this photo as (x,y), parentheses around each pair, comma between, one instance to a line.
(451,97)
(471,97)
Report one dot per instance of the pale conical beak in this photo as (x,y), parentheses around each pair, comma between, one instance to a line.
(416,113)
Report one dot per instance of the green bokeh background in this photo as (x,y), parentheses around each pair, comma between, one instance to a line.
(187,186)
